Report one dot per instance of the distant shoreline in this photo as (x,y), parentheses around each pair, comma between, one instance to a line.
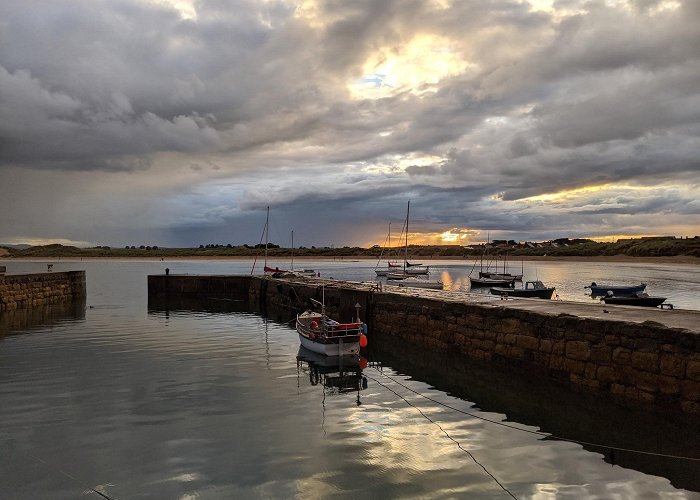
(280,261)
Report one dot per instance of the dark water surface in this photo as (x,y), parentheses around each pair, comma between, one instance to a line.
(213,404)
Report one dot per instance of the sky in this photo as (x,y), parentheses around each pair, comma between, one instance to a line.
(176,123)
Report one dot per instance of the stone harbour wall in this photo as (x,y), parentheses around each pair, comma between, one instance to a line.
(648,362)
(22,291)
(645,363)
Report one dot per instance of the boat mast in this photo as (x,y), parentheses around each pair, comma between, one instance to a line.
(292,250)
(267,231)
(388,238)
(405,257)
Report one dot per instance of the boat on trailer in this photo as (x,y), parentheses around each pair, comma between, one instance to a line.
(323,335)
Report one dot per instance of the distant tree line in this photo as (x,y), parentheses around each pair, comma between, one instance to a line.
(641,247)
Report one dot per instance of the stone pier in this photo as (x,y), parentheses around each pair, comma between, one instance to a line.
(22,291)
(650,357)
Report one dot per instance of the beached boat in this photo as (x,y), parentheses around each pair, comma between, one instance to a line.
(532,289)
(413,282)
(503,276)
(323,335)
(640,299)
(617,290)
(495,282)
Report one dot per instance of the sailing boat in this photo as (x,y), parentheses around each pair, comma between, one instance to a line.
(266,268)
(389,264)
(300,272)
(407,277)
(504,275)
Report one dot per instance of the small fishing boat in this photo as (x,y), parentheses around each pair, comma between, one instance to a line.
(495,282)
(617,290)
(413,282)
(532,289)
(640,299)
(323,335)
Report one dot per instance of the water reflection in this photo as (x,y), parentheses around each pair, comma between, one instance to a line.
(192,401)
(537,401)
(24,320)
(336,374)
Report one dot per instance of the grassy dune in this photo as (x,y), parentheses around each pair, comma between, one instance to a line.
(632,248)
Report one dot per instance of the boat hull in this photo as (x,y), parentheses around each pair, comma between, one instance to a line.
(416,283)
(542,293)
(348,346)
(635,301)
(490,282)
(506,276)
(601,290)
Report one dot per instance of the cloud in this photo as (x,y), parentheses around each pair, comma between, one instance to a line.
(199,117)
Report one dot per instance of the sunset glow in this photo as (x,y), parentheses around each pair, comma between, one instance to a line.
(416,67)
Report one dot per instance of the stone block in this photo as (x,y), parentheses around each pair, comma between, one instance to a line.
(556,362)
(669,385)
(639,395)
(621,355)
(577,350)
(690,407)
(574,366)
(618,389)
(601,354)
(509,339)
(671,365)
(645,381)
(510,325)
(605,374)
(541,359)
(646,361)
(692,371)
(515,352)
(527,342)
(545,345)
(690,389)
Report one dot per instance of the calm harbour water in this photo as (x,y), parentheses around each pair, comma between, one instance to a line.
(213,404)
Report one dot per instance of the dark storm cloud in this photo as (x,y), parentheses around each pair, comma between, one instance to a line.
(247,103)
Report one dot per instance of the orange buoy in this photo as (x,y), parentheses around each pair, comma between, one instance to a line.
(363,362)
(363,340)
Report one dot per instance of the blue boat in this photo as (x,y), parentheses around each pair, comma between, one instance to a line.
(617,290)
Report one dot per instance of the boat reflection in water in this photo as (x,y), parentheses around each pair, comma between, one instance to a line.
(337,374)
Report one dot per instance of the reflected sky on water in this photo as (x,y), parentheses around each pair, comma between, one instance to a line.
(214,404)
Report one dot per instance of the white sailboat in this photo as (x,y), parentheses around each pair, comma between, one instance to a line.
(300,272)
(408,275)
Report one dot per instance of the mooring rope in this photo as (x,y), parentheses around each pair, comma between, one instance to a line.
(459,445)
(539,433)
(69,476)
